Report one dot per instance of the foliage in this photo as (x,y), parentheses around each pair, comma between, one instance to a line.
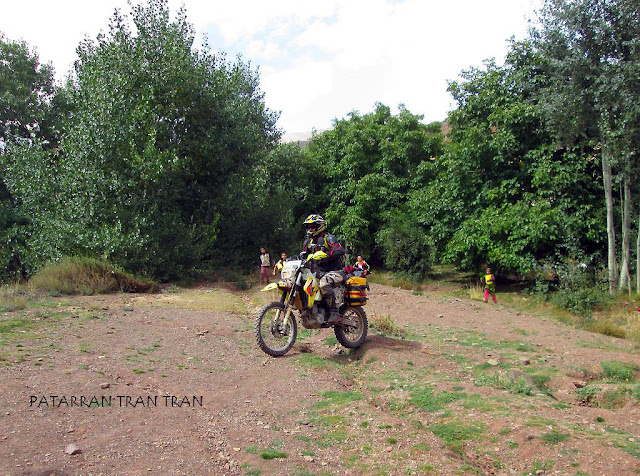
(588,393)
(503,194)
(27,91)
(157,135)
(26,112)
(368,165)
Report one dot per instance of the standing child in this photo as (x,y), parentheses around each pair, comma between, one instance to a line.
(265,265)
(278,266)
(362,265)
(489,281)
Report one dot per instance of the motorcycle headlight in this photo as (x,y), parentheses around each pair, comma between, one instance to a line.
(289,269)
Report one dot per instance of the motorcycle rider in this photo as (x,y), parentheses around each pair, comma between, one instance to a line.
(329,267)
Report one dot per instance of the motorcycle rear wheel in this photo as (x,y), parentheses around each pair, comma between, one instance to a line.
(275,336)
(353,337)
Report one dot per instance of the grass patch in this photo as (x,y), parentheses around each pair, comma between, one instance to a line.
(425,399)
(613,398)
(454,431)
(12,303)
(87,276)
(619,371)
(554,437)
(518,386)
(272,453)
(14,323)
(333,397)
(606,328)
(216,299)
(312,360)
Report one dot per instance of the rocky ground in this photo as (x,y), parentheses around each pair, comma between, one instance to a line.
(174,383)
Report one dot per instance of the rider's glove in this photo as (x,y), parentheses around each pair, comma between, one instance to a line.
(318,255)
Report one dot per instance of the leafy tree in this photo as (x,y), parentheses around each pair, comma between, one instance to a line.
(501,192)
(155,137)
(368,166)
(26,92)
(27,110)
(592,53)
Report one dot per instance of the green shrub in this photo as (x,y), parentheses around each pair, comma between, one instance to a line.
(580,301)
(588,393)
(86,276)
(404,245)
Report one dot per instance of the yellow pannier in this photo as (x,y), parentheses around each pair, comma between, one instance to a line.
(356,291)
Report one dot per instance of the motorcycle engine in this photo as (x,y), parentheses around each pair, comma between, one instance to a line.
(313,318)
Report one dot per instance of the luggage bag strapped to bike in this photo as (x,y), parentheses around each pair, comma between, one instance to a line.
(356,291)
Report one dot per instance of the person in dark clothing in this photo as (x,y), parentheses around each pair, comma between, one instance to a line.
(328,255)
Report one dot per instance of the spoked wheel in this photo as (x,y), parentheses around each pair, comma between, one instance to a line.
(350,336)
(275,335)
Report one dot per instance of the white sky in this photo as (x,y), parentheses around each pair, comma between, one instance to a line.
(318,59)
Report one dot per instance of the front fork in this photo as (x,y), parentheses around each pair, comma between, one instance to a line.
(288,308)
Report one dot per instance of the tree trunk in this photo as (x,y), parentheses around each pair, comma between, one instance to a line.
(611,233)
(625,277)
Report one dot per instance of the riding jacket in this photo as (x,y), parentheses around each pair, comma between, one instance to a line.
(331,246)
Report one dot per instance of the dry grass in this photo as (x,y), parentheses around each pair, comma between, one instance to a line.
(633,326)
(476,292)
(216,299)
(606,328)
(12,298)
(384,325)
(86,276)
(390,279)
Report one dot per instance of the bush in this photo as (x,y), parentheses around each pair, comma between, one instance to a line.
(581,301)
(404,246)
(87,276)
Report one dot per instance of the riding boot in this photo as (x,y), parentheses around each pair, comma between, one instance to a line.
(330,299)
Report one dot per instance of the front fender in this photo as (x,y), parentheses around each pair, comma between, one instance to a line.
(269,287)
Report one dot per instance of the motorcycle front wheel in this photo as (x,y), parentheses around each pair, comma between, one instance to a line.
(353,337)
(275,335)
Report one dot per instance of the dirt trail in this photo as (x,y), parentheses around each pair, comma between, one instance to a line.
(203,399)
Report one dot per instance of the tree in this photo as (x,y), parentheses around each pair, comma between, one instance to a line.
(501,192)
(368,166)
(27,89)
(592,52)
(27,113)
(155,136)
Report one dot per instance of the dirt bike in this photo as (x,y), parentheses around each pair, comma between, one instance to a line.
(275,324)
